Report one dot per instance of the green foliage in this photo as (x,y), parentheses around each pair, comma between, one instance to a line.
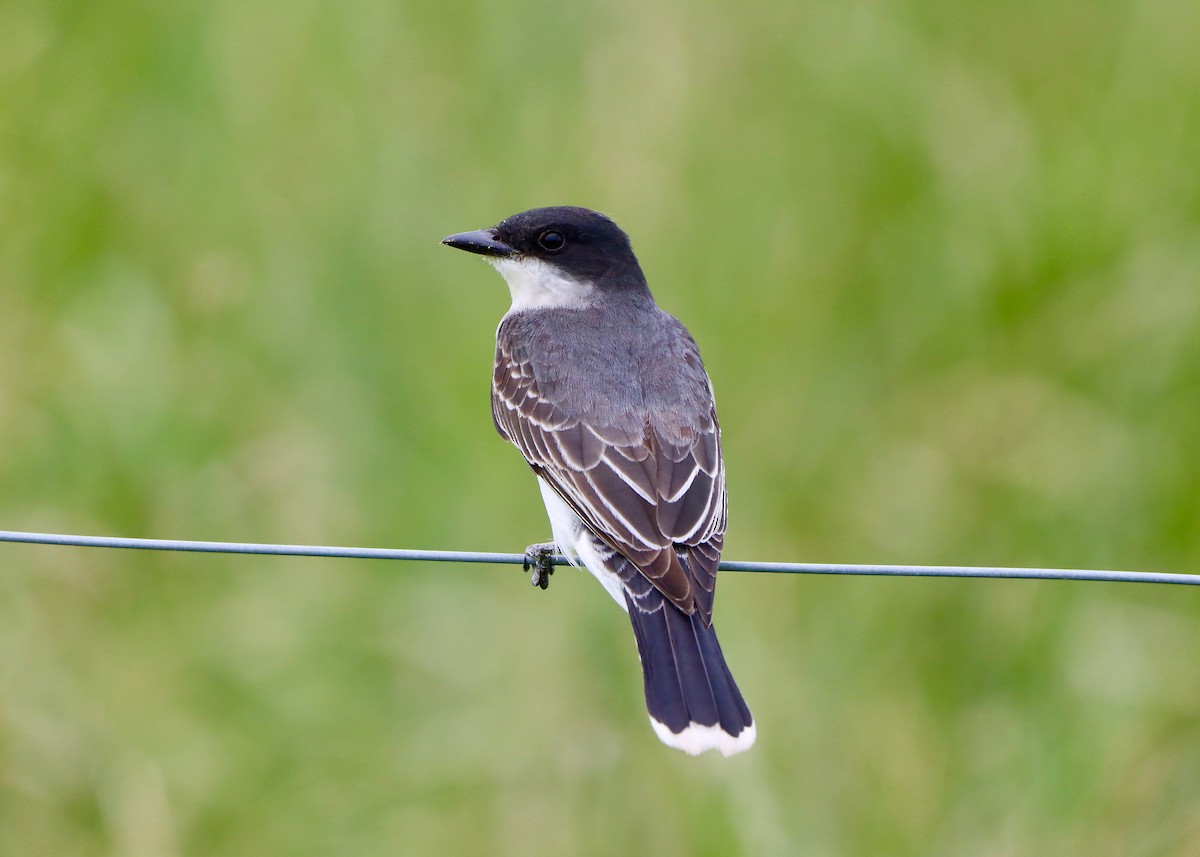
(943,260)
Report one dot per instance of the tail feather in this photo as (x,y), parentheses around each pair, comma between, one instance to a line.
(691,696)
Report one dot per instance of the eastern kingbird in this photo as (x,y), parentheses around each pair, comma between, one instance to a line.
(606,397)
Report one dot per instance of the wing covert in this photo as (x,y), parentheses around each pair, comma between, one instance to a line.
(654,492)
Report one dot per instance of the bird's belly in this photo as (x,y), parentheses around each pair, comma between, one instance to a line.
(577,543)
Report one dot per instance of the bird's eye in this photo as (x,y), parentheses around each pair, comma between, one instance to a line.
(552,240)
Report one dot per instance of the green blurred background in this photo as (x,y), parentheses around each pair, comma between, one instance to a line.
(943,260)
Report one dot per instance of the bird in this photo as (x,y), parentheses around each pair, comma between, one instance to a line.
(607,399)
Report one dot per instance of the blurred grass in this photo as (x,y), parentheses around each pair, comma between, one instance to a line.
(944,264)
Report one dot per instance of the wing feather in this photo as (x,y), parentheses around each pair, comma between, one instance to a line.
(653,490)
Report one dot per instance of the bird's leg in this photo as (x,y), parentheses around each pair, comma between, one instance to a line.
(540,558)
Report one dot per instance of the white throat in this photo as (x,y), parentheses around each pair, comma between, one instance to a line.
(534,284)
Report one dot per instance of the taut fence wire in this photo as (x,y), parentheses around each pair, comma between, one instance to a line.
(518,559)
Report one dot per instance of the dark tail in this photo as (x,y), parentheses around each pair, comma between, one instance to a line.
(693,701)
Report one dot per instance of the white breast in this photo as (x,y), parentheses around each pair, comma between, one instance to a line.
(535,284)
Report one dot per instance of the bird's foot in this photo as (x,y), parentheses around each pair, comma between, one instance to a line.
(540,558)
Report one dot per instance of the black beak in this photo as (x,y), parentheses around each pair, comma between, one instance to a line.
(483,241)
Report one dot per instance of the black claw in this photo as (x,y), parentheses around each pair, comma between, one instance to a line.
(540,558)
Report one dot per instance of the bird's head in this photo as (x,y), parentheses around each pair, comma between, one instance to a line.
(560,256)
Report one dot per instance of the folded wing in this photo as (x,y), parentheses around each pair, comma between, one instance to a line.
(650,485)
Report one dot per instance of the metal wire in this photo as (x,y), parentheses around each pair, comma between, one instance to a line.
(517,559)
